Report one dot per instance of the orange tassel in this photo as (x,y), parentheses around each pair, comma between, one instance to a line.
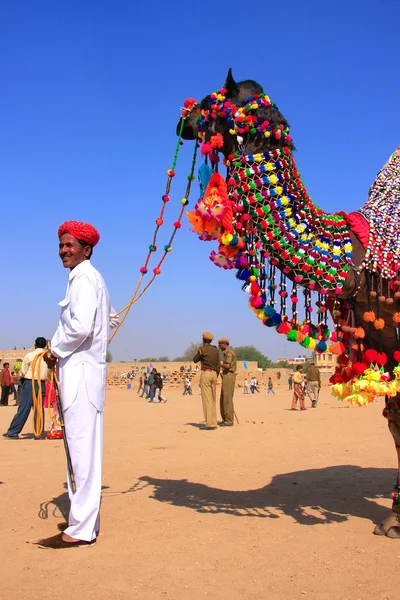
(396,318)
(369,316)
(359,333)
(379,324)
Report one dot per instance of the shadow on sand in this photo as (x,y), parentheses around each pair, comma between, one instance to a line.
(310,497)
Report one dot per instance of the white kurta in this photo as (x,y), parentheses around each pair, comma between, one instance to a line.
(81,342)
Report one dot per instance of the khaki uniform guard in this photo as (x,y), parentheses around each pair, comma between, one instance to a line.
(229,370)
(208,356)
(313,383)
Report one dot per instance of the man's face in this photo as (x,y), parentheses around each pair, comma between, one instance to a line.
(71,252)
(223,345)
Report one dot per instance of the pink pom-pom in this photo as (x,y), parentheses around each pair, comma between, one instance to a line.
(256,301)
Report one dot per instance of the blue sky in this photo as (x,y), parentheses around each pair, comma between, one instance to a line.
(91,94)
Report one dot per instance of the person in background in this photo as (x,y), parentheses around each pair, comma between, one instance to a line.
(290,382)
(229,370)
(151,385)
(140,384)
(270,387)
(246,386)
(313,384)
(14,385)
(6,384)
(187,387)
(298,394)
(146,389)
(158,385)
(208,356)
(22,414)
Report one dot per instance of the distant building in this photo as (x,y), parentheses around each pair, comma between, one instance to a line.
(326,362)
(298,360)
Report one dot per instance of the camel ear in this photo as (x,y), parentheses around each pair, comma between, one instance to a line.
(232,88)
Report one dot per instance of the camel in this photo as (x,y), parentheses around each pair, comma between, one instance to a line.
(281,243)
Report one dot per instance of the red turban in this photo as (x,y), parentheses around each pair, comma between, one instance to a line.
(80,231)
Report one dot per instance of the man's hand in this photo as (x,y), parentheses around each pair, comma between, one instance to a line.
(114,321)
(50,359)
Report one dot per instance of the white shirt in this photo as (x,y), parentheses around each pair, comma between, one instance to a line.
(81,339)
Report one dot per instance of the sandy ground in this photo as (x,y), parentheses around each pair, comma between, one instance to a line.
(280,507)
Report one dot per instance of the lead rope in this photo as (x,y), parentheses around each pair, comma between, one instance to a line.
(37,400)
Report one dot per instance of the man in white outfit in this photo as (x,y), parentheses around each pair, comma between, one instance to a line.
(79,346)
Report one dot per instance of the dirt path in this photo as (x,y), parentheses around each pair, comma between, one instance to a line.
(280,507)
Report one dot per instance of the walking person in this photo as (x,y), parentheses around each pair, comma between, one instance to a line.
(151,386)
(229,369)
(79,347)
(158,385)
(246,386)
(270,387)
(187,387)
(313,378)
(140,384)
(298,394)
(6,384)
(208,356)
(22,414)
(146,390)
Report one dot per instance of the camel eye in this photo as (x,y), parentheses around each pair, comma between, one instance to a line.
(206,102)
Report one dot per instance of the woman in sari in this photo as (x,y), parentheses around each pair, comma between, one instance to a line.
(298,392)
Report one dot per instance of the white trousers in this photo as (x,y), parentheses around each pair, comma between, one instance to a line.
(84,433)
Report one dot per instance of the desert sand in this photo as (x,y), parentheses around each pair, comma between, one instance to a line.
(281,506)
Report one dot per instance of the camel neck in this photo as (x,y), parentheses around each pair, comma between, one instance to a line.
(272,207)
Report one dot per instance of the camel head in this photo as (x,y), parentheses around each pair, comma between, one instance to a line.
(242,114)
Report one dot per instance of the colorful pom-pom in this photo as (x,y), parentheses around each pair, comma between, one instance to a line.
(359,367)
(381,359)
(396,318)
(379,324)
(359,333)
(369,316)
(370,356)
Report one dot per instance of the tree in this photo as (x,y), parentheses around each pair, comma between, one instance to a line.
(189,353)
(109,357)
(163,359)
(250,353)
(147,360)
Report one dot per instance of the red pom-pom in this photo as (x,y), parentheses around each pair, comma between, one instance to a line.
(343,360)
(284,328)
(159,222)
(190,103)
(177,224)
(381,358)
(359,367)
(396,355)
(156,271)
(370,356)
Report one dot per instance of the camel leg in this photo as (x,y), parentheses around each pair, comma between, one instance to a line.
(391,525)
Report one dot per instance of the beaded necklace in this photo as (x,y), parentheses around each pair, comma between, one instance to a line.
(382,211)
(267,191)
